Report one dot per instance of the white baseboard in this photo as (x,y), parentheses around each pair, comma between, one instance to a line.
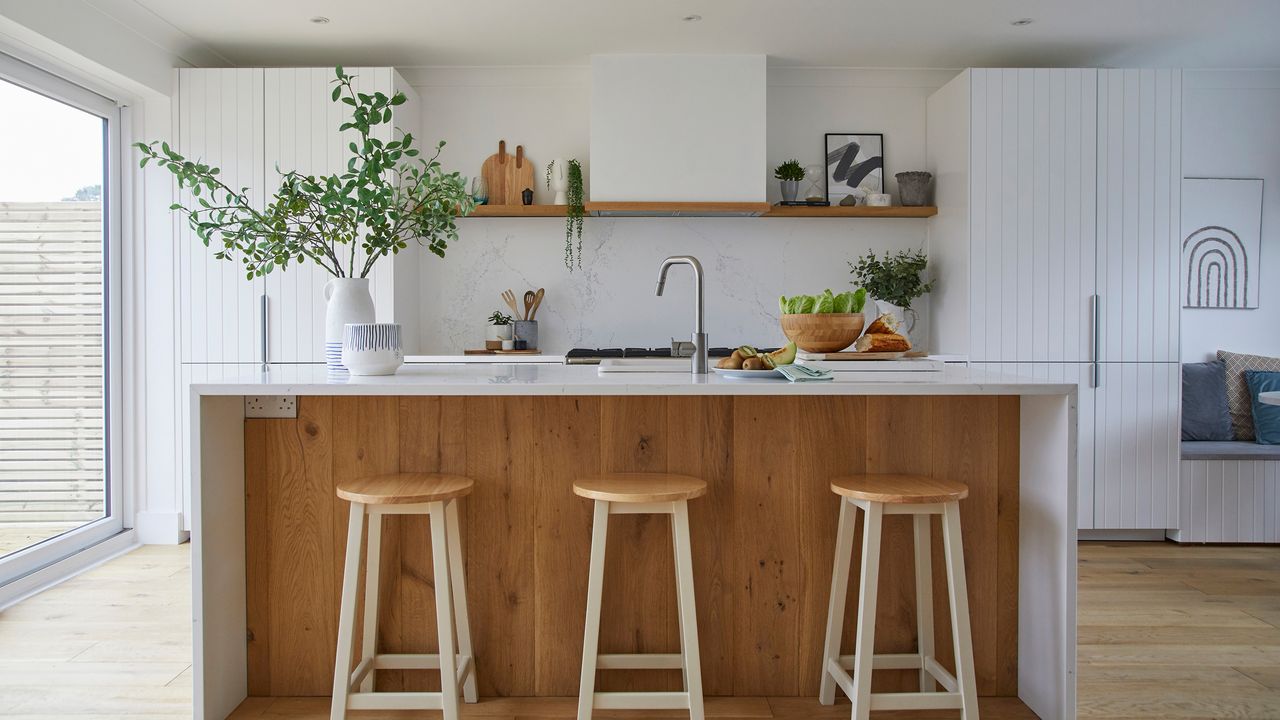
(1122,535)
(160,528)
(50,575)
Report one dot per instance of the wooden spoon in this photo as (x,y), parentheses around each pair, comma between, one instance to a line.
(510,299)
(537,302)
(528,303)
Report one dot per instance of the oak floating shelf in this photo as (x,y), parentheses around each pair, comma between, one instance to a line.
(702,209)
(859,211)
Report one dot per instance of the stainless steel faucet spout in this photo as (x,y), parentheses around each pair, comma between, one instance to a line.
(699,363)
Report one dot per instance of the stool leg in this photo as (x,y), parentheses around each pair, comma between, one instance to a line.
(924,599)
(444,612)
(688,610)
(347,614)
(675,550)
(591,632)
(372,568)
(836,604)
(954,551)
(458,580)
(869,587)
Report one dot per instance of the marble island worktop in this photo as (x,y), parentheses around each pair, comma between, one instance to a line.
(531,379)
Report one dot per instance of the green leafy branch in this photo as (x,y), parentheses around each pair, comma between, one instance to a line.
(895,279)
(388,195)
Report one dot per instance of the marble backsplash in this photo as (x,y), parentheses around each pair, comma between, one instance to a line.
(610,302)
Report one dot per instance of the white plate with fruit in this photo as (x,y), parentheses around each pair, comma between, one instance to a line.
(748,363)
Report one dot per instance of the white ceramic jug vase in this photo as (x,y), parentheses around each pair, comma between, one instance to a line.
(348,301)
(560,181)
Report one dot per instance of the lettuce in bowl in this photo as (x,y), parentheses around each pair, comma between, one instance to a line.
(845,302)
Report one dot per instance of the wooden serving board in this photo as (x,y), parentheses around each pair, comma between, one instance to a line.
(507,175)
(852,355)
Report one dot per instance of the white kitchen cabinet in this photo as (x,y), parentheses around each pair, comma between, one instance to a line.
(218,121)
(1055,252)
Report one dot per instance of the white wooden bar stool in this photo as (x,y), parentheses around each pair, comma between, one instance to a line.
(430,494)
(642,493)
(919,496)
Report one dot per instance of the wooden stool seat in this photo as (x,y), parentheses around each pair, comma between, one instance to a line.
(899,489)
(405,488)
(640,487)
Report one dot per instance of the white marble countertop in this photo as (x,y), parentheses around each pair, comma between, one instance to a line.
(535,379)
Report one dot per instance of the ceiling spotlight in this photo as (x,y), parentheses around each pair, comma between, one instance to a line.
(1022,22)
(320,20)
(691,18)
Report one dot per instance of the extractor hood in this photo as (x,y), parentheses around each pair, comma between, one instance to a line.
(678,135)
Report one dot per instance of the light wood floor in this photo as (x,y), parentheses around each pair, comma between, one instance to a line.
(1166,631)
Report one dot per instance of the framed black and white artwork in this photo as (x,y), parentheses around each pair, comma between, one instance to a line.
(855,165)
(1221,240)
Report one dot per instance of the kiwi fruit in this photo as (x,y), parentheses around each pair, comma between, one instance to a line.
(753,363)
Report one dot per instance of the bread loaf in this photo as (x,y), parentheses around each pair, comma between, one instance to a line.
(882,342)
(886,324)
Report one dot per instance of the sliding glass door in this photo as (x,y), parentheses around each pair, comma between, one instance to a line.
(59,153)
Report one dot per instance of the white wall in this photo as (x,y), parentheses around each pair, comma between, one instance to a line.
(1231,128)
(610,301)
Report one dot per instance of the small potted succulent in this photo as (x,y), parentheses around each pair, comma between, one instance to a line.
(790,174)
(499,329)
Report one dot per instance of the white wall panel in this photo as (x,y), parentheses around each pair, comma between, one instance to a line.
(1232,501)
(1139,206)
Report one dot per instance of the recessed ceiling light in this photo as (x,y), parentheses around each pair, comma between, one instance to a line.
(691,18)
(1022,22)
(320,20)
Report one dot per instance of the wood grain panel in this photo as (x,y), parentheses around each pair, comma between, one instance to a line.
(762,536)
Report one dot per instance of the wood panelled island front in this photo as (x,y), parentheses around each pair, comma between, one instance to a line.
(763,536)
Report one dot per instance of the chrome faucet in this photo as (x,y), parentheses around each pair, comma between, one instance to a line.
(699,363)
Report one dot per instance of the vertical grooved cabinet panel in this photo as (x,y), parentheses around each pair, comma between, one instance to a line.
(1139,206)
(219,123)
(1137,446)
(1032,216)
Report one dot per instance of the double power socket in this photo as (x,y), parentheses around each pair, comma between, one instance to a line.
(271,406)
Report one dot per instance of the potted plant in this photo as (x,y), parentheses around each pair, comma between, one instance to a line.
(499,330)
(790,174)
(564,177)
(894,281)
(344,222)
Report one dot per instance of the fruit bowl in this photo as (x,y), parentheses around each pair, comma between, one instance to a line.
(823,332)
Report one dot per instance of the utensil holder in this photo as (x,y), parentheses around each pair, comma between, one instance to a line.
(527,330)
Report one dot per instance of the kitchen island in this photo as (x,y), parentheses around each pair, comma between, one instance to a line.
(269,533)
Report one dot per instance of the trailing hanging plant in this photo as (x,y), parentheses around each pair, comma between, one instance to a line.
(388,196)
(895,279)
(573,213)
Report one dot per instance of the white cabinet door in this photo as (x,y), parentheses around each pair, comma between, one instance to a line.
(1032,210)
(1136,439)
(301,122)
(1078,373)
(1139,181)
(218,120)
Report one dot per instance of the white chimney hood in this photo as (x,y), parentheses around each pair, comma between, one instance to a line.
(674,129)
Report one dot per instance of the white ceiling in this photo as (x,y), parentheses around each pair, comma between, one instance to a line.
(841,33)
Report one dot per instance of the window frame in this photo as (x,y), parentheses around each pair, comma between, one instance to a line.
(47,552)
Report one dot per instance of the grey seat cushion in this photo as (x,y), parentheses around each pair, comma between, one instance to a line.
(1233,450)
(1204,402)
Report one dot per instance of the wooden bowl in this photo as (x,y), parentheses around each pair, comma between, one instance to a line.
(823,332)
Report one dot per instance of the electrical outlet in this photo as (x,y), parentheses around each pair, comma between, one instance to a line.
(270,406)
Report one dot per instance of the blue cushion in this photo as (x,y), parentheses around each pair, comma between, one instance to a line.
(1266,418)
(1204,402)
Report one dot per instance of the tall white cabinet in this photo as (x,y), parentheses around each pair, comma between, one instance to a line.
(249,122)
(1055,249)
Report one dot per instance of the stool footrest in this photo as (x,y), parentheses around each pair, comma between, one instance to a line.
(904,700)
(394,701)
(640,661)
(405,661)
(641,700)
(894,661)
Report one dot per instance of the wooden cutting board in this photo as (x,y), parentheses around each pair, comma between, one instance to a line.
(507,175)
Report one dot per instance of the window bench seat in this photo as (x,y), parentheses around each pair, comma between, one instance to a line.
(1230,493)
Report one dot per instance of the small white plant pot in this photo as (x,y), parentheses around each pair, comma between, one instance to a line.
(500,332)
(372,348)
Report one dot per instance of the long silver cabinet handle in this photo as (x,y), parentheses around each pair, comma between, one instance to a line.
(265,359)
(1095,350)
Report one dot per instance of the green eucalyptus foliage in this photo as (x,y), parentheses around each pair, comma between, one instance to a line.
(895,279)
(789,170)
(388,195)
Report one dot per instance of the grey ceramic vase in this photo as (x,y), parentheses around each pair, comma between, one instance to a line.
(790,189)
(913,188)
